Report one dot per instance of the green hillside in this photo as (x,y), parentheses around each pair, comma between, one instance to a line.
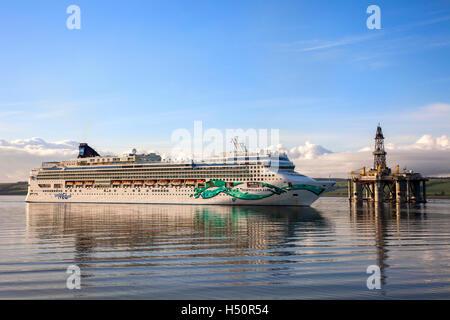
(340,188)
(436,188)
(11,189)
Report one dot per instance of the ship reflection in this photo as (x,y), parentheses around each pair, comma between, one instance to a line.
(155,231)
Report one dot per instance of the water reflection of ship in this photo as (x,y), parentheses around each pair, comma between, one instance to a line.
(379,220)
(226,231)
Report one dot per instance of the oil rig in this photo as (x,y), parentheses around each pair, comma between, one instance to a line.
(380,184)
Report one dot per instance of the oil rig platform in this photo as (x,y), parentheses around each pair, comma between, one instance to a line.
(379,184)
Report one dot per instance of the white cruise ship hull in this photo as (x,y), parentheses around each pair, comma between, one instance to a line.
(300,193)
(171,196)
(245,180)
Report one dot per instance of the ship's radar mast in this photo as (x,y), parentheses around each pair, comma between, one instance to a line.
(239,147)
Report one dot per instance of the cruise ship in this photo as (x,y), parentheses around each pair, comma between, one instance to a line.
(241,178)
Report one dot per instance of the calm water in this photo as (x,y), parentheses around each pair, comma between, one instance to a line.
(203,252)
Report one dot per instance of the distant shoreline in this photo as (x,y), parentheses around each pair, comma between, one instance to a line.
(437,188)
(14,189)
(327,195)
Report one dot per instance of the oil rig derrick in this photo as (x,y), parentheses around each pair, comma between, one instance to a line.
(379,184)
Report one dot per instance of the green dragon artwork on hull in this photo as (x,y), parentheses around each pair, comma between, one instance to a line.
(221,187)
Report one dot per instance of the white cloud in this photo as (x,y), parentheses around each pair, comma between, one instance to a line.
(38,145)
(428,155)
(320,45)
(426,142)
(316,44)
(18,157)
(307,151)
(432,111)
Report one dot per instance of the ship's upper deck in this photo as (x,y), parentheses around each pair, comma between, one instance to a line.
(89,159)
(155,160)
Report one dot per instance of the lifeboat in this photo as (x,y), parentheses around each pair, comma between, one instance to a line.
(190,182)
(201,181)
(163,182)
(70,183)
(89,183)
(138,182)
(79,183)
(116,182)
(177,182)
(150,182)
(127,182)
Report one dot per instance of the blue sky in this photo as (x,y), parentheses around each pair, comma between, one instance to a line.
(137,70)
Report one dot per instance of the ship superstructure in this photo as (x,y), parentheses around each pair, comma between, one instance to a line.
(240,178)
